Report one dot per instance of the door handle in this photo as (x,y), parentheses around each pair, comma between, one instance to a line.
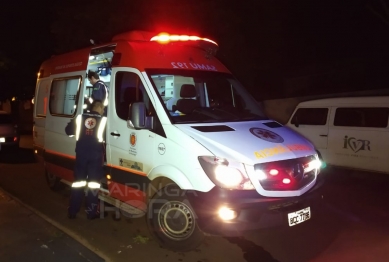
(114,134)
(319,135)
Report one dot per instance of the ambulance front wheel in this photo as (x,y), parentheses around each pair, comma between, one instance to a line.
(172,220)
(53,181)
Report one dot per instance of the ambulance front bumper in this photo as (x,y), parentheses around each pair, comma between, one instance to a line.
(252,210)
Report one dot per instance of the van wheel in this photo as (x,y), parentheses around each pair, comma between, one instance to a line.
(53,181)
(13,148)
(172,220)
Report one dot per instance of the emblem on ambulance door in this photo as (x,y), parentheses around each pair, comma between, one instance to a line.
(133,139)
(266,135)
(90,123)
(161,149)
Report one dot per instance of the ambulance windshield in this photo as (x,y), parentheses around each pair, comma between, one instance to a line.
(200,96)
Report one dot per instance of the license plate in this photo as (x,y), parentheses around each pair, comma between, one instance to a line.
(300,216)
(2,139)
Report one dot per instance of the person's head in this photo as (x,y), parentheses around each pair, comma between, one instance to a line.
(98,107)
(93,77)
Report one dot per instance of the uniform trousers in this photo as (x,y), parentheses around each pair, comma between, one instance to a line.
(88,168)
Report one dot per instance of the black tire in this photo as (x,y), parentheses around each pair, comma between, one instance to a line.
(172,220)
(7,149)
(53,181)
(13,148)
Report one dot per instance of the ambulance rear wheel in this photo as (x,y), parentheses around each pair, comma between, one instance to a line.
(172,220)
(53,181)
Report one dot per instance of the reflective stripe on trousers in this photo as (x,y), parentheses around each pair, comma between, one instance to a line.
(78,184)
(92,185)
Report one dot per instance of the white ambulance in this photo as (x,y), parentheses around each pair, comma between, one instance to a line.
(350,132)
(187,146)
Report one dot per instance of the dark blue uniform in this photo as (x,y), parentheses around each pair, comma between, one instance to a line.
(100,92)
(88,170)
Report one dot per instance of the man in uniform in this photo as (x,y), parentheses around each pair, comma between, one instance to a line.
(99,89)
(99,92)
(88,129)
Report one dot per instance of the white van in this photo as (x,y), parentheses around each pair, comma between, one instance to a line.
(351,132)
(186,144)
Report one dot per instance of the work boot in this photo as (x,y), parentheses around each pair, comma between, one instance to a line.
(96,215)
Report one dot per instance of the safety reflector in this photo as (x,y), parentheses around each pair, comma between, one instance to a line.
(79,184)
(93,185)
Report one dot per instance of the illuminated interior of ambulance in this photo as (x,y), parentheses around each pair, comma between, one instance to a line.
(191,96)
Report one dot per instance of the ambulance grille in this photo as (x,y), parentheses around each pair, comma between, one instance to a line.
(285,175)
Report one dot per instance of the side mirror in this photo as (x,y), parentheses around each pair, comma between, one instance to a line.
(138,118)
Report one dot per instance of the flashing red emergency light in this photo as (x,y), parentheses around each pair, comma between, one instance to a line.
(286,181)
(273,172)
(165,38)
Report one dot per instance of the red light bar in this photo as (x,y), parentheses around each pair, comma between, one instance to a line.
(273,172)
(286,181)
(164,38)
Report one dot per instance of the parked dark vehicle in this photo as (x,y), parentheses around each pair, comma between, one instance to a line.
(9,133)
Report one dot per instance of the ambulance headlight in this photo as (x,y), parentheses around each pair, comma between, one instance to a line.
(314,164)
(226,174)
(230,177)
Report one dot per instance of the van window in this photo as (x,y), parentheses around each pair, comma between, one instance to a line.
(310,116)
(128,89)
(63,96)
(42,98)
(362,117)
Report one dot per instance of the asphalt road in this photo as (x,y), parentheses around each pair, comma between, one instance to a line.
(355,227)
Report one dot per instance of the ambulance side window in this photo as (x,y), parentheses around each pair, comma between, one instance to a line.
(126,92)
(41,98)
(129,89)
(63,96)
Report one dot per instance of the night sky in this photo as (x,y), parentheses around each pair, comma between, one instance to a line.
(276,48)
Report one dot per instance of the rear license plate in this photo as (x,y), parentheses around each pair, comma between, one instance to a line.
(2,139)
(300,216)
